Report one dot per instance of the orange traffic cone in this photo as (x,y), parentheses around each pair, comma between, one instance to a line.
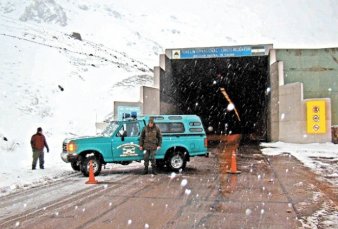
(233,182)
(91,179)
(233,168)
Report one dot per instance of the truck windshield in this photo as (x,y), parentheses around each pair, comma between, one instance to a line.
(110,129)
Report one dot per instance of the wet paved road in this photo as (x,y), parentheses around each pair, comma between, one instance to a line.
(271,192)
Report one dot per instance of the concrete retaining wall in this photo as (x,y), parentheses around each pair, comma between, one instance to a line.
(317,69)
(292,115)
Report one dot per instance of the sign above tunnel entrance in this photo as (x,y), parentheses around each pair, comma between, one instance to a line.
(218,52)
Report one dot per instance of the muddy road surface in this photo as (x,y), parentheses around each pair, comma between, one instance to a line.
(270,192)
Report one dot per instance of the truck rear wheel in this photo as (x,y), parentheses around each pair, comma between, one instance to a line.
(176,161)
(97,165)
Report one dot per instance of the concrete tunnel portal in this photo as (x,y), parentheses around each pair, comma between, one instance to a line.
(197,86)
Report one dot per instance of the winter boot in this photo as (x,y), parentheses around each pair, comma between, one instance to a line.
(153,171)
(33,167)
(145,171)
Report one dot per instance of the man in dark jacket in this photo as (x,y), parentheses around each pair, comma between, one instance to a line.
(150,141)
(38,143)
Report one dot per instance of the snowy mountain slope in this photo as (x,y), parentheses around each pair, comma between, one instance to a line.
(51,80)
(145,28)
(45,11)
(90,20)
(121,43)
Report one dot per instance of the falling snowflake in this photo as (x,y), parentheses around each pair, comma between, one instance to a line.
(172,175)
(184,182)
(282,116)
(129,222)
(187,191)
(248,212)
(230,107)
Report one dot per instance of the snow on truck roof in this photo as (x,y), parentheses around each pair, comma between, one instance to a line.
(159,118)
(174,124)
(171,118)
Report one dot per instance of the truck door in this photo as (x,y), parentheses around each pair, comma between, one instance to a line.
(125,145)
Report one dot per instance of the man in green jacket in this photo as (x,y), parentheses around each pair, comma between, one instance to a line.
(150,141)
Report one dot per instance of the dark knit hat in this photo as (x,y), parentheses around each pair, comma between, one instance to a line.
(39,129)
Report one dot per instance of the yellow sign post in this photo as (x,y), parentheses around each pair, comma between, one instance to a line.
(315,115)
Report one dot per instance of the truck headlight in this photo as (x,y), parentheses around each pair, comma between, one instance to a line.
(71,147)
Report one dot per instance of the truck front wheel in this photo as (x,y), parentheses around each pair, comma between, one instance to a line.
(75,166)
(176,161)
(97,165)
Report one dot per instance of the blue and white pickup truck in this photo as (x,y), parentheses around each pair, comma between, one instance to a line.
(183,136)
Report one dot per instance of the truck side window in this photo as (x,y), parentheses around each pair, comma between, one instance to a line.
(120,133)
(164,127)
(133,129)
(129,129)
(176,127)
(172,127)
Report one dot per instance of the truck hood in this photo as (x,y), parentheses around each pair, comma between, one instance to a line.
(87,139)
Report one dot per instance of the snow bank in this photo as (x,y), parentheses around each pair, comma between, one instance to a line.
(321,158)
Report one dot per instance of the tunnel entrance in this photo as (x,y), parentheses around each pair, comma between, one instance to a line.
(197,86)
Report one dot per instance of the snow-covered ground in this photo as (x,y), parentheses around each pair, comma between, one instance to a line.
(322,159)
(49,79)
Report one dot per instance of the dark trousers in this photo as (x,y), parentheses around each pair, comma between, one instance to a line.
(38,154)
(150,155)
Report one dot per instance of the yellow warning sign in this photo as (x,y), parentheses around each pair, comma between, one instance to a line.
(316,114)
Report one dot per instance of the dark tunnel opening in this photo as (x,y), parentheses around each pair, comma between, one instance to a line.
(195,88)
